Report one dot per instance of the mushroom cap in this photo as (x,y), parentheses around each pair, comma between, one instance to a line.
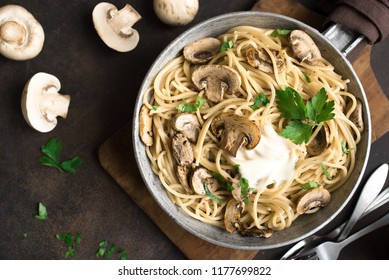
(202,50)
(260,59)
(21,35)
(319,143)
(232,215)
(115,27)
(216,80)
(183,173)
(182,149)
(235,131)
(312,199)
(146,126)
(41,103)
(176,12)
(187,124)
(304,47)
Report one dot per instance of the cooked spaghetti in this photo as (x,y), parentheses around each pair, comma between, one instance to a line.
(272,205)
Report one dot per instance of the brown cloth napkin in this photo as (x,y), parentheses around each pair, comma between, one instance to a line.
(367,17)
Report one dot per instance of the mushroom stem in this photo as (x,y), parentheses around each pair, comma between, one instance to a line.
(13,32)
(123,20)
(54,104)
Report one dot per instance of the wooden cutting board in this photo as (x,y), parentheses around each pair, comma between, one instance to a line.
(116,154)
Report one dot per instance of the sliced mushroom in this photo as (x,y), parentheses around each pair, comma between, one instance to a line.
(319,143)
(146,126)
(216,80)
(256,232)
(261,60)
(232,216)
(356,116)
(115,26)
(42,103)
(312,199)
(183,176)
(198,178)
(202,50)
(304,47)
(21,35)
(182,149)
(187,124)
(235,131)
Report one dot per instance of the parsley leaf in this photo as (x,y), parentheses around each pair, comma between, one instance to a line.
(290,104)
(244,184)
(297,131)
(223,181)
(186,107)
(71,240)
(211,195)
(306,77)
(280,31)
(325,171)
(303,117)
(51,151)
(42,212)
(344,148)
(310,185)
(261,99)
(155,108)
(226,45)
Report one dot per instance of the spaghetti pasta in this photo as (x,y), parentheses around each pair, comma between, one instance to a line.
(270,207)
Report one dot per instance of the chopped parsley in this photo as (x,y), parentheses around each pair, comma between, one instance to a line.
(211,195)
(310,185)
(244,185)
(106,254)
(187,107)
(71,240)
(280,31)
(42,212)
(226,45)
(223,181)
(261,99)
(303,117)
(306,77)
(325,171)
(345,150)
(51,151)
(237,167)
(155,108)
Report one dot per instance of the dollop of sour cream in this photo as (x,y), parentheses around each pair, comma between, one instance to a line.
(272,161)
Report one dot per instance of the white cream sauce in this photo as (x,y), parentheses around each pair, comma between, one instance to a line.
(272,161)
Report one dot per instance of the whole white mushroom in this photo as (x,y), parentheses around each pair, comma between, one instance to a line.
(176,12)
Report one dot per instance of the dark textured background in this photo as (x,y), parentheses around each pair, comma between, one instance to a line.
(103,85)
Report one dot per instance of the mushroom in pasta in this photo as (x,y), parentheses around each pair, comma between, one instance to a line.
(187,124)
(318,143)
(356,115)
(183,176)
(304,47)
(261,60)
(182,149)
(202,50)
(235,131)
(146,126)
(216,80)
(312,199)
(232,215)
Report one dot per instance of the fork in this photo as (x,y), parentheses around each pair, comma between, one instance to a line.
(330,250)
(367,203)
(314,240)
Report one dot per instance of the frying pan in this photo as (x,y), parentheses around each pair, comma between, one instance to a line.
(305,225)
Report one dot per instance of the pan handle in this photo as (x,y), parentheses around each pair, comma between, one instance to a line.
(343,39)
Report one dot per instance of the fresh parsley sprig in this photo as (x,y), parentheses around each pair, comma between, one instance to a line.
(51,151)
(303,117)
(188,107)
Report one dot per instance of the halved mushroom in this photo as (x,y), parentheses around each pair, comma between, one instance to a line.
(146,126)
(312,199)
(319,143)
(115,26)
(42,103)
(187,124)
(257,232)
(232,215)
(261,60)
(183,176)
(182,149)
(216,80)
(235,131)
(202,50)
(304,47)
(356,116)
(198,178)
(21,35)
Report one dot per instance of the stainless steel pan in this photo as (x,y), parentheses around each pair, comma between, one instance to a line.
(304,225)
